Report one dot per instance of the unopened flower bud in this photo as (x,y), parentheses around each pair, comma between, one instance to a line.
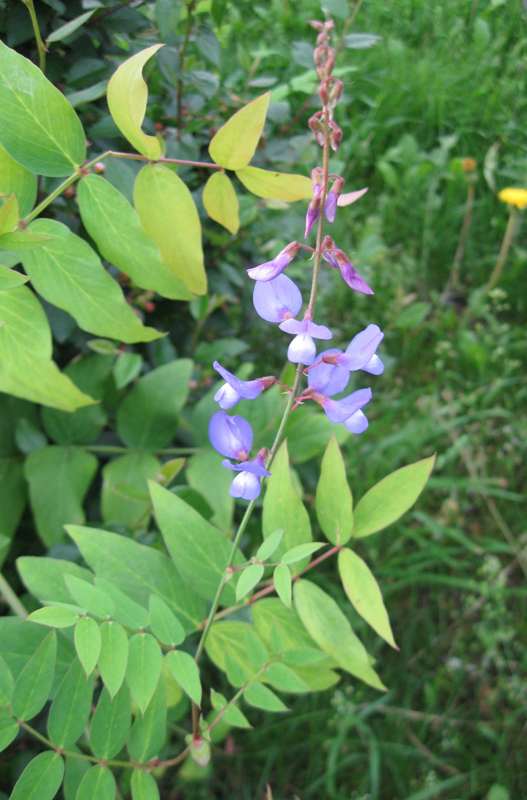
(468,164)
(334,92)
(328,243)
(291,249)
(322,38)
(323,93)
(317,126)
(318,55)
(329,25)
(99,167)
(267,381)
(335,136)
(316,24)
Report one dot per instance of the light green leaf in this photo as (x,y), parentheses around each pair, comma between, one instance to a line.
(127,96)
(198,550)
(17,179)
(44,577)
(248,579)
(168,214)
(26,369)
(127,611)
(114,656)
(126,369)
(54,617)
(41,779)
(9,215)
(261,696)
(131,471)
(255,648)
(144,668)
(235,143)
(8,732)
(275,185)
(90,597)
(111,723)
(6,683)
(69,28)
(114,226)
(364,593)
(69,274)
(282,584)
(282,507)
(284,679)
(147,419)
(390,498)
(71,707)
(301,551)
(186,672)
(148,733)
(330,629)
(34,683)
(10,278)
(144,786)
(20,241)
(13,495)
(164,624)
(139,571)
(97,784)
(236,673)
(269,545)
(205,474)
(38,127)
(334,499)
(76,769)
(221,202)
(59,478)
(233,716)
(88,643)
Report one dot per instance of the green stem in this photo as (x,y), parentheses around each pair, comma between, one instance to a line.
(40,45)
(182,52)
(505,246)
(49,199)
(71,753)
(11,599)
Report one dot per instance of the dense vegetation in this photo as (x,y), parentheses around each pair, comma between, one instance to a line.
(442,84)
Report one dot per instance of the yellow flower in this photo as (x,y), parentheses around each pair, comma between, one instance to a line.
(515,197)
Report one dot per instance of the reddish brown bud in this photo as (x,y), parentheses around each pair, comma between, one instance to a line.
(99,167)
(334,92)
(158,126)
(335,136)
(331,359)
(268,381)
(317,126)
(323,93)
(319,55)
(291,249)
(318,26)
(329,25)
(322,38)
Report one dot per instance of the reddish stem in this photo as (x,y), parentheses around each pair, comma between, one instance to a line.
(314,563)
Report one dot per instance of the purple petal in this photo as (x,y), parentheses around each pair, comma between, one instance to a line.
(350,197)
(302,350)
(246,389)
(354,280)
(311,218)
(340,410)
(374,366)
(328,379)
(294,326)
(271,269)
(227,397)
(357,423)
(330,209)
(318,331)
(245,486)
(331,259)
(275,298)
(361,348)
(255,467)
(230,436)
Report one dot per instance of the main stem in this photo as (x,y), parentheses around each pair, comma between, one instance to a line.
(40,45)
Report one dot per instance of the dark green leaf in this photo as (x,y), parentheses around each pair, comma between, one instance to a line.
(148,733)
(71,707)
(8,732)
(34,683)
(6,684)
(41,779)
(144,786)
(334,499)
(127,611)
(133,471)
(44,577)
(69,28)
(111,723)
(90,597)
(88,643)
(143,668)
(163,622)
(114,656)
(205,474)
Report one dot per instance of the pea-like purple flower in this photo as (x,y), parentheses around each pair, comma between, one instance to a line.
(327,378)
(230,436)
(360,353)
(247,484)
(330,208)
(339,260)
(302,349)
(347,410)
(235,390)
(278,299)
(271,269)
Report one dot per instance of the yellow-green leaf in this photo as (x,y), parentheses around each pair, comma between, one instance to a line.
(235,143)
(276,185)
(9,214)
(17,179)
(127,96)
(334,499)
(220,201)
(168,214)
(10,278)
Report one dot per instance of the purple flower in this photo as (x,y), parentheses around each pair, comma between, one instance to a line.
(270,270)
(313,213)
(326,378)
(302,349)
(230,436)
(360,353)
(235,390)
(246,485)
(339,260)
(277,299)
(330,207)
(357,423)
(341,410)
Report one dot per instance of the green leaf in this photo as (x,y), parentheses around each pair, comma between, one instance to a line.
(76,769)
(226,637)
(233,716)
(114,226)
(205,474)
(126,369)
(364,593)
(54,617)
(235,143)
(148,733)
(97,784)
(26,369)
(301,551)
(186,672)
(8,732)
(88,643)
(9,215)
(90,597)
(147,419)
(255,648)
(303,656)
(275,185)
(330,629)
(38,128)
(131,471)
(168,214)
(111,723)
(13,495)
(20,241)
(69,274)
(17,179)
(236,673)
(334,499)
(58,478)
(127,611)
(221,202)
(114,656)
(69,28)
(10,278)
(144,668)
(282,507)
(139,571)
(164,624)
(284,679)
(269,545)
(71,707)
(282,584)
(391,498)
(144,786)
(34,683)
(6,683)
(167,13)
(248,579)
(198,550)
(261,696)
(41,779)
(127,96)
(44,577)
